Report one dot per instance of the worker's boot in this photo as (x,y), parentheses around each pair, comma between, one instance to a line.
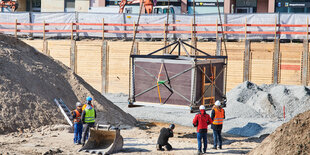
(159,148)
(220,147)
(199,152)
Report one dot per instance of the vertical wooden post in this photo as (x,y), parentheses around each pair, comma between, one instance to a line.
(165,37)
(73,56)
(44,30)
(104,76)
(71,31)
(305,59)
(217,32)
(245,29)
(246,63)
(102,29)
(276,62)
(192,37)
(45,43)
(275,29)
(15,27)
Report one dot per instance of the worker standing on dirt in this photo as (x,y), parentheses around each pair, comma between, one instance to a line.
(88,118)
(162,141)
(78,125)
(218,116)
(201,121)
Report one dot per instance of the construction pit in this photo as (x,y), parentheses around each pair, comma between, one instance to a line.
(31,123)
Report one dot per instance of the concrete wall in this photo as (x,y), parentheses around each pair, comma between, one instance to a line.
(52,6)
(89,61)
(81,5)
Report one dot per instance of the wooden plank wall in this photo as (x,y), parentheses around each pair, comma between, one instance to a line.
(290,62)
(89,61)
(261,65)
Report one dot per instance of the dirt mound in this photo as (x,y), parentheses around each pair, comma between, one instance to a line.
(29,82)
(292,137)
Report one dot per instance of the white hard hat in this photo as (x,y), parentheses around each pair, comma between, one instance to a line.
(202,107)
(217,103)
(78,104)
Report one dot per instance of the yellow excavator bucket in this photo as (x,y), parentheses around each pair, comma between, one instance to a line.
(103,141)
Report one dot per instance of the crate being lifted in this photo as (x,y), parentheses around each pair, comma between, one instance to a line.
(168,78)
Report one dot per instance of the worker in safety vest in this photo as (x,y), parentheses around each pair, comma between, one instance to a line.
(201,121)
(78,125)
(88,101)
(88,118)
(218,116)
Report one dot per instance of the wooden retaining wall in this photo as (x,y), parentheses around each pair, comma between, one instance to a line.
(93,61)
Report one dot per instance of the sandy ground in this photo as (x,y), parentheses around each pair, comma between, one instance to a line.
(140,140)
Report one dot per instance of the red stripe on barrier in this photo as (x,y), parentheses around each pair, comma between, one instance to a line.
(58,24)
(57,30)
(7,23)
(31,31)
(7,30)
(290,67)
(31,24)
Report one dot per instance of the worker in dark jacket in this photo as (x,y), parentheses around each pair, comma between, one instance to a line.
(88,119)
(218,116)
(165,134)
(201,121)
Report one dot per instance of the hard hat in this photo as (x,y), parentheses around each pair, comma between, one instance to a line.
(217,103)
(202,107)
(172,126)
(78,104)
(88,98)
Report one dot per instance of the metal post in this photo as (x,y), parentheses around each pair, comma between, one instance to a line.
(276,61)
(125,27)
(218,46)
(246,63)
(73,56)
(305,60)
(104,67)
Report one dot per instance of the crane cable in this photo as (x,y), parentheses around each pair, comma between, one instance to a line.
(132,47)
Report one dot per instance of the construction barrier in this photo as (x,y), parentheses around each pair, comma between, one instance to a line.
(236,26)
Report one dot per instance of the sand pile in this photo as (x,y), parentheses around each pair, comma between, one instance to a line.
(29,82)
(249,100)
(290,138)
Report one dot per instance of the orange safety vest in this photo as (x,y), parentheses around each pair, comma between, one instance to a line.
(85,105)
(77,116)
(219,116)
